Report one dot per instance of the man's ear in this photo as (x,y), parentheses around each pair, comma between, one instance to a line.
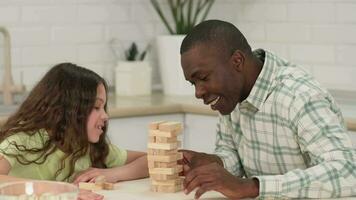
(238,60)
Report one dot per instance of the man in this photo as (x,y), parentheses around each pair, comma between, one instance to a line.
(280,135)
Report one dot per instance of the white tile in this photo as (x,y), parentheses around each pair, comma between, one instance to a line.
(77,34)
(119,13)
(29,35)
(338,34)
(93,13)
(252,31)
(95,53)
(287,32)
(48,55)
(346,12)
(313,53)
(311,12)
(9,14)
(32,75)
(48,14)
(345,54)
(336,77)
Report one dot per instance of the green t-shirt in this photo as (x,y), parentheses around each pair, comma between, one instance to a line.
(48,169)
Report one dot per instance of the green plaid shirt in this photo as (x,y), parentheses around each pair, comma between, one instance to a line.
(290,135)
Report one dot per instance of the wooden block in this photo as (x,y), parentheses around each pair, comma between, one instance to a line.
(166,188)
(151,163)
(154,125)
(165,146)
(168,171)
(151,139)
(165,164)
(170,126)
(157,164)
(161,152)
(160,133)
(166,139)
(100,179)
(178,181)
(108,186)
(89,186)
(162,177)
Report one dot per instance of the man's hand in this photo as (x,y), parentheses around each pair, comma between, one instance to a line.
(192,159)
(213,176)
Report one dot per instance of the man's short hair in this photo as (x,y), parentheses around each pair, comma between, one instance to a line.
(222,34)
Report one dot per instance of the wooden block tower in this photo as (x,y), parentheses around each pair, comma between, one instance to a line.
(162,156)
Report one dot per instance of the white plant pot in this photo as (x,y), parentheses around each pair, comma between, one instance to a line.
(171,71)
(133,78)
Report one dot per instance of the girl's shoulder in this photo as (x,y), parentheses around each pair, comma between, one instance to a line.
(28,139)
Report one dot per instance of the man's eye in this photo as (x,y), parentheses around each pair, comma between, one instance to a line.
(204,78)
(97,108)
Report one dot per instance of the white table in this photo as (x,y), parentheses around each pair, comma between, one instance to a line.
(140,190)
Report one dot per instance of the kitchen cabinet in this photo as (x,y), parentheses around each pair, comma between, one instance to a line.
(132,132)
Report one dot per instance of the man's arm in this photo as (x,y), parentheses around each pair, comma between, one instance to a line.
(323,138)
(225,144)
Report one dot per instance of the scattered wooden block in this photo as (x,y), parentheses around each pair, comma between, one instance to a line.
(108,186)
(89,186)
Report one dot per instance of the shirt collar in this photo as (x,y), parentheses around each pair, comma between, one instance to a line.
(265,80)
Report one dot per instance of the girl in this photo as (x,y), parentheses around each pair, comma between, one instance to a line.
(59,132)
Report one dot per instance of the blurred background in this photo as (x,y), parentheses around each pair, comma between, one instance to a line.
(319,34)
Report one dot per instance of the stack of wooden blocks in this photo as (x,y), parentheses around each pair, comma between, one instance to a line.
(163,155)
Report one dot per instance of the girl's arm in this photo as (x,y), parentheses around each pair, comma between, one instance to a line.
(134,168)
(5,168)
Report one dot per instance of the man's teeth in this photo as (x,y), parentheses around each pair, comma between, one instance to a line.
(215,101)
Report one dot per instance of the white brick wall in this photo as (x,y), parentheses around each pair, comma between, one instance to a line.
(319,34)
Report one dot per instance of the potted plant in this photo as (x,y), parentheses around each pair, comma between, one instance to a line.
(133,74)
(184,14)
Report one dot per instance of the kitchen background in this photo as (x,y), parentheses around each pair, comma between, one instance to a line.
(320,34)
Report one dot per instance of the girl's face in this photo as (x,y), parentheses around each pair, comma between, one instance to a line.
(98,116)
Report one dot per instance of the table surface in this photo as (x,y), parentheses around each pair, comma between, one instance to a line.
(140,190)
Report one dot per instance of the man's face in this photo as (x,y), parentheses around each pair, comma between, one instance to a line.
(216,78)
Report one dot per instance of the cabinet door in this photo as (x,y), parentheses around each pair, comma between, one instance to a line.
(132,132)
(200,132)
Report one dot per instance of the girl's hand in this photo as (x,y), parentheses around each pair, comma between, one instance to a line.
(91,174)
(89,195)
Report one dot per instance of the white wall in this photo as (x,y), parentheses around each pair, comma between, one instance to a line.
(320,34)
